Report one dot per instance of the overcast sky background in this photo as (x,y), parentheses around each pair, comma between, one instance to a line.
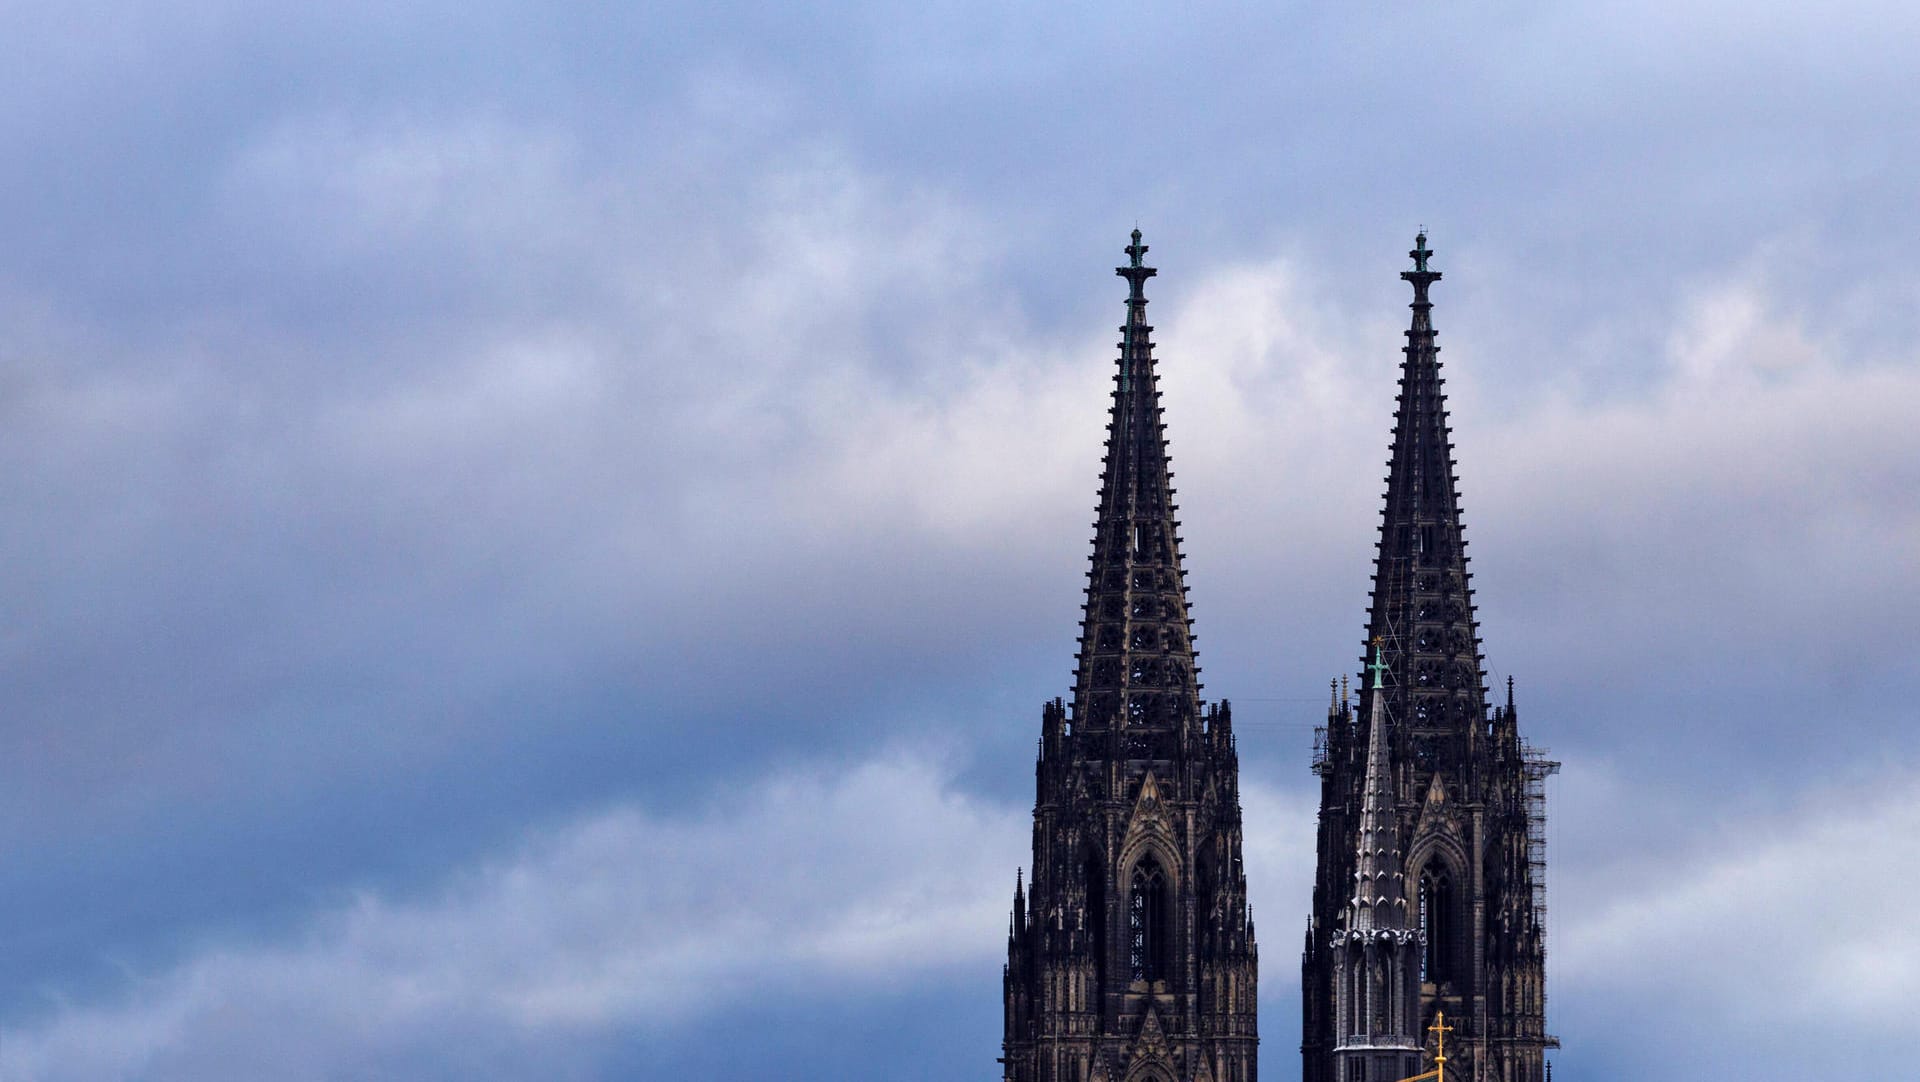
(534,543)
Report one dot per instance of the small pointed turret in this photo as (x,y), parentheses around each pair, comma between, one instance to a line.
(1136,650)
(1376,956)
(1018,921)
(1379,895)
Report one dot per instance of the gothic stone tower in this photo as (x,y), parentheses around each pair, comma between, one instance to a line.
(1467,790)
(1130,956)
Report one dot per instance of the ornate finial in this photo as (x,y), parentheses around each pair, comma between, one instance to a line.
(1421,275)
(1343,687)
(1136,273)
(1509,694)
(1378,667)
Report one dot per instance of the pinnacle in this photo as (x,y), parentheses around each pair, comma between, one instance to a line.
(1377,900)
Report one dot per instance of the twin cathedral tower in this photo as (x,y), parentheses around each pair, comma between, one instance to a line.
(1131,953)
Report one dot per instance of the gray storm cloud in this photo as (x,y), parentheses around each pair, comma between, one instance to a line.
(447,453)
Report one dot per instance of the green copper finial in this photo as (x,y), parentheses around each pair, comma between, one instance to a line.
(1136,249)
(1420,252)
(1379,665)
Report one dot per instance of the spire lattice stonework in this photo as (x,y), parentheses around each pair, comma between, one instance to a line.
(1136,664)
(1422,603)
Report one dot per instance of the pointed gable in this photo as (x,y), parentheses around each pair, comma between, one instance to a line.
(1148,827)
(1150,1044)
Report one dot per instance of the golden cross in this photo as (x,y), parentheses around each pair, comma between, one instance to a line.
(1440,1029)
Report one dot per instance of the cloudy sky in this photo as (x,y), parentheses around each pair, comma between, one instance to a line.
(534,543)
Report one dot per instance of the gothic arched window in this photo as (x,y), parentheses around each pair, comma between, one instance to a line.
(1148,914)
(1437,922)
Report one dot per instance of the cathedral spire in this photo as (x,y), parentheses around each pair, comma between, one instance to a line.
(1461,923)
(1422,602)
(1136,662)
(1379,896)
(1136,957)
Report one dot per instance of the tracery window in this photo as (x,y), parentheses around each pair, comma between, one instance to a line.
(1436,922)
(1148,914)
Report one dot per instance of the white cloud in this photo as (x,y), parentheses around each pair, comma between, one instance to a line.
(774,362)
(1279,839)
(1785,919)
(1758,502)
(475,392)
(817,879)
